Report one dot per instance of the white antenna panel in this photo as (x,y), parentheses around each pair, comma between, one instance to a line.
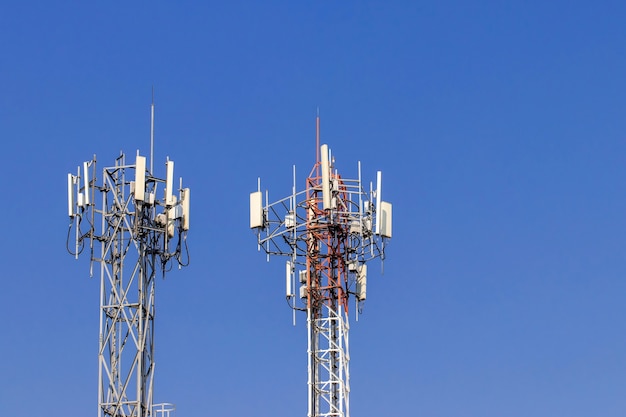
(379,181)
(302,277)
(256,209)
(384,217)
(169,183)
(185,204)
(361,283)
(86,176)
(326,197)
(140,178)
(70,195)
(288,273)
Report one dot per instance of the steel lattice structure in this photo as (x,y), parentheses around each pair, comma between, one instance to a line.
(139,235)
(328,231)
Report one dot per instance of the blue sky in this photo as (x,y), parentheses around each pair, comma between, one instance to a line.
(500,131)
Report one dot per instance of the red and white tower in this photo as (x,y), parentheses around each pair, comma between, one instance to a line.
(328,231)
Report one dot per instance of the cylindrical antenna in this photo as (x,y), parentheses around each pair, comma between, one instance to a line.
(263,215)
(378,200)
(267,244)
(360,204)
(292,203)
(317,137)
(152,134)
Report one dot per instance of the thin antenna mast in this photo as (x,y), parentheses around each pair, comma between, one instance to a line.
(152,134)
(317,137)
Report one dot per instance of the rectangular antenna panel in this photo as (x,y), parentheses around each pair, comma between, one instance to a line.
(302,277)
(379,181)
(169,183)
(288,272)
(86,177)
(326,197)
(361,283)
(140,178)
(256,209)
(185,204)
(70,195)
(385,219)
(303,291)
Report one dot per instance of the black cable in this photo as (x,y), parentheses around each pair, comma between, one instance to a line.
(293,307)
(188,255)
(67,241)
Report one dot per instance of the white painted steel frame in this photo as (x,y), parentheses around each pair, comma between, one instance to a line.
(329,376)
(127,291)
(134,245)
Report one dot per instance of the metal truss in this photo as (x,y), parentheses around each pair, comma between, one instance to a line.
(329,376)
(140,235)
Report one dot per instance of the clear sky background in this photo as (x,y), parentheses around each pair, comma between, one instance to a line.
(500,129)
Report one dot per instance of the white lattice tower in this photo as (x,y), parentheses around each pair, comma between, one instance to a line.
(139,235)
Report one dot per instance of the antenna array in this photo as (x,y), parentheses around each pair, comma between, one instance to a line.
(131,233)
(328,232)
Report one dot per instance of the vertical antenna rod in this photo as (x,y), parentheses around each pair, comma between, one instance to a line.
(317,136)
(152,134)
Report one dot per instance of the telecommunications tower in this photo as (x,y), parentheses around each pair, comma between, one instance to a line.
(328,232)
(133,225)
